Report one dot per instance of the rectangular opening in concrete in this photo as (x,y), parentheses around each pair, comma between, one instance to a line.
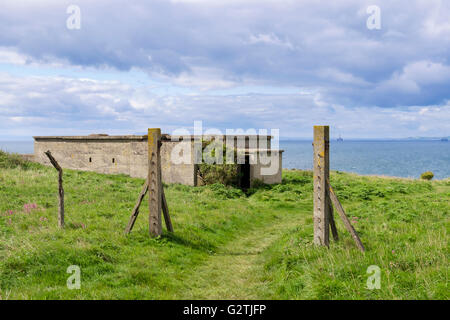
(245,174)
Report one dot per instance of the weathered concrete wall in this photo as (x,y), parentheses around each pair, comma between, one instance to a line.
(177,172)
(138,159)
(276,166)
(112,156)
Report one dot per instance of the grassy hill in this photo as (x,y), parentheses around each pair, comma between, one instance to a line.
(226,244)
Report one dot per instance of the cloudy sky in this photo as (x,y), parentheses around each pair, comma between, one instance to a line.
(271,64)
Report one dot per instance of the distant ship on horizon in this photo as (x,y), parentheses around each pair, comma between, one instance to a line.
(444,139)
(339,139)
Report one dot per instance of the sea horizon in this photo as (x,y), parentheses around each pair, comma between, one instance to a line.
(403,158)
(23,139)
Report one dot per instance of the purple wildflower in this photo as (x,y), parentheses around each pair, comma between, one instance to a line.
(28,207)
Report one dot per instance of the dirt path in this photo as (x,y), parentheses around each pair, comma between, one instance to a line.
(234,271)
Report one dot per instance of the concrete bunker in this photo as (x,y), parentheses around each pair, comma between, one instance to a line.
(128,154)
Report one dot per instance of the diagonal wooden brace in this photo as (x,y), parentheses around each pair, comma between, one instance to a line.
(344,217)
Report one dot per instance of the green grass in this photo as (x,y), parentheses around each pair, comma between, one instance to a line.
(226,244)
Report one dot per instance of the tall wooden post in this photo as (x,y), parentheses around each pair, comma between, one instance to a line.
(154,182)
(321,175)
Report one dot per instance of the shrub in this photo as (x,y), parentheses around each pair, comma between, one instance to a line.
(12,160)
(227,173)
(428,175)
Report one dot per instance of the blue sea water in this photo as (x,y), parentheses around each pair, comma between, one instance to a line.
(406,158)
(22,147)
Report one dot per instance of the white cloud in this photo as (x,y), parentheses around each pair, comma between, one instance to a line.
(202,78)
(73,106)
(426,72)
(270,39)
(342,77)
(10,55)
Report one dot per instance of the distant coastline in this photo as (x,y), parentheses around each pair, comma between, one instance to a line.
(373,139)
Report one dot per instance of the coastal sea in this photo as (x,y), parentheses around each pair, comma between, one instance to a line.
(400,158)
(22,147)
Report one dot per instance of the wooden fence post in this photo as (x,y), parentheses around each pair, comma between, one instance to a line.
(153,185)
(154,182)
(60,188)
(320,176)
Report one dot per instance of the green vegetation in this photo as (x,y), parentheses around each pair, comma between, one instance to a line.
(227,174)
(428,175)
(227,243)
(9,161)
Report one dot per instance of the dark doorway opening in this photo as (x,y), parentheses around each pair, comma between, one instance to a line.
(245,174)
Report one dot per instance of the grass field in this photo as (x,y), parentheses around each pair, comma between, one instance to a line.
(226,244)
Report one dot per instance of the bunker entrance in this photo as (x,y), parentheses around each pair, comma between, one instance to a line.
(244,182)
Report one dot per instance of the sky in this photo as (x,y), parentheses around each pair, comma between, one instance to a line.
(120,67)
